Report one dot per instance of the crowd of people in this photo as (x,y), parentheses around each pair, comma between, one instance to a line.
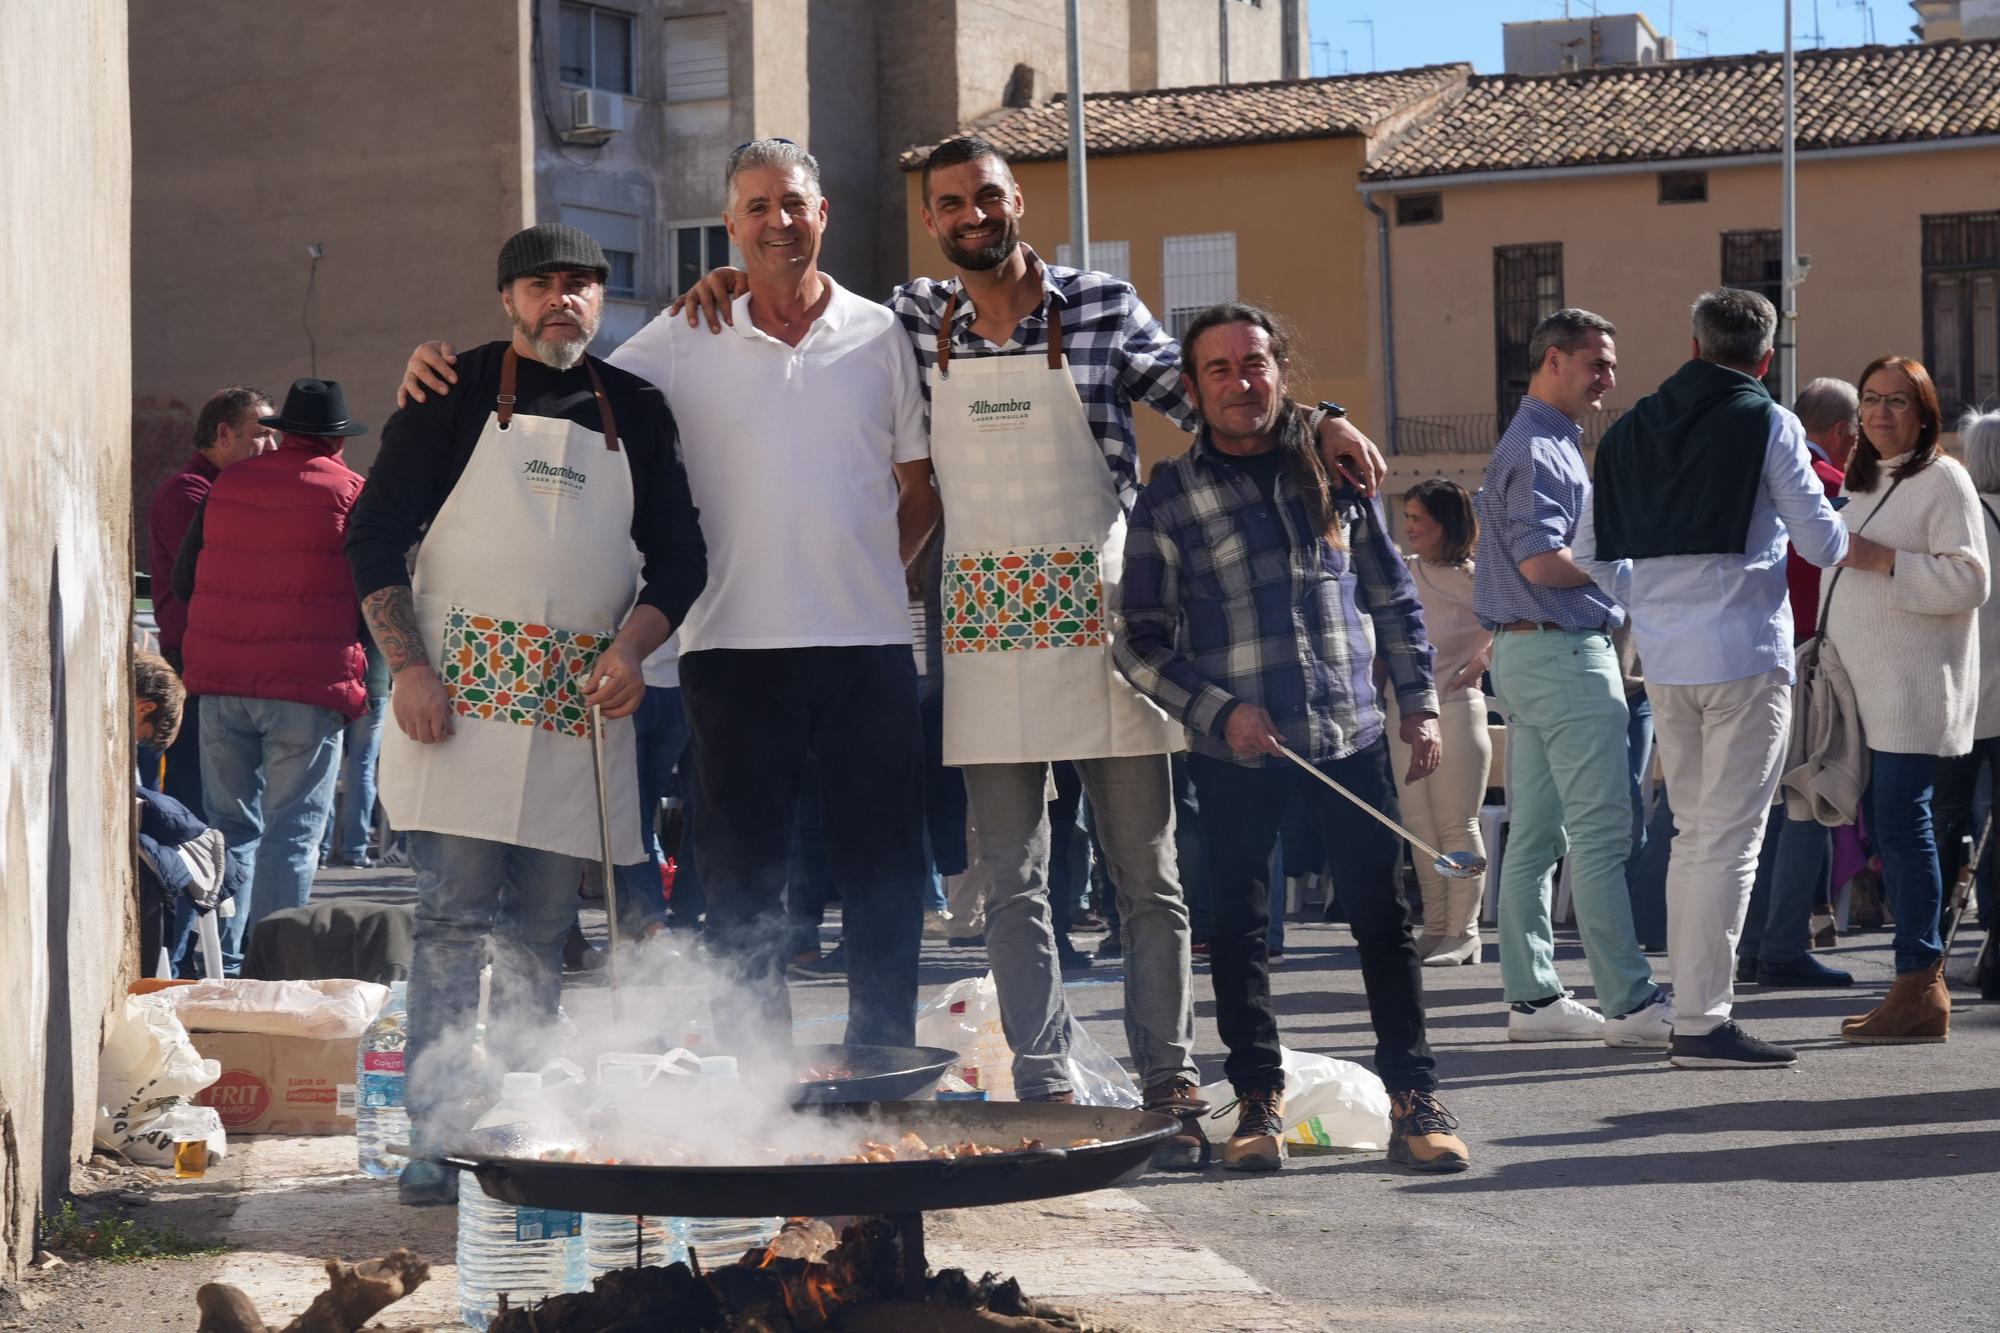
(878,590)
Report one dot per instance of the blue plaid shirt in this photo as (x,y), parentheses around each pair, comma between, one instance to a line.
(1117,351)
(1228,598)
(1530,503)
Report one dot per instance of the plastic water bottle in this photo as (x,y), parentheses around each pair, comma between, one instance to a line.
(610,1240)
(717,1241)
(528,1253)
(379,1117)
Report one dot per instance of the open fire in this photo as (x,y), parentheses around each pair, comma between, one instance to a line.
(871,1281)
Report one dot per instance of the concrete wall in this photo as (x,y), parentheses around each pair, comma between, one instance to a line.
(1142,199)
(397,136)
(1177,43)
(1640,264)
(1548,45)
(66,915)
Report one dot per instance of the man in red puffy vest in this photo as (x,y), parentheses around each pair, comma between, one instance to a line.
(273,647)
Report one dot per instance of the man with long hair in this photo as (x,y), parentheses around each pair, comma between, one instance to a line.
(1251,582)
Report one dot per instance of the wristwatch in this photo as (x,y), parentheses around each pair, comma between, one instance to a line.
(1332,409)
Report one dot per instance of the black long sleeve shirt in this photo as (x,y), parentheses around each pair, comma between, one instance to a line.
(426,446)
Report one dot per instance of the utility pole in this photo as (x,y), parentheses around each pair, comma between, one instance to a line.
(1788,320)
(1079,200)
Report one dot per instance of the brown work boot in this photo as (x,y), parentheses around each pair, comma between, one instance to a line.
(1420,1136)
(1917,1009)
(1259,1141)
(1187,1150)
(1063,1098)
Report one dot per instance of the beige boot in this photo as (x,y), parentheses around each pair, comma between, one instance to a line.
(1460,943)
(1437,912)
(1259,1141)
(1917,1009)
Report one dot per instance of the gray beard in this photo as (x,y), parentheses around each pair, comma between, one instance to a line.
(559,354)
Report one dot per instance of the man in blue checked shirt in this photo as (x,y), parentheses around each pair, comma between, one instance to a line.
(1030,374)
(1251,582)
(1556,677)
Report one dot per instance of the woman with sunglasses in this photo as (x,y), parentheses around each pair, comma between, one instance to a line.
(1903,619)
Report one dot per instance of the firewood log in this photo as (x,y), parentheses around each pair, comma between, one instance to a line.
(355,1294)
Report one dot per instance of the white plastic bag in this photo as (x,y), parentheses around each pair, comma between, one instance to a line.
(1329,1103)
(965,1017)
(322,1010)
(147,1077)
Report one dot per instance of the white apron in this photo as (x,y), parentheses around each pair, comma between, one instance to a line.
(523,579)
(1035,545)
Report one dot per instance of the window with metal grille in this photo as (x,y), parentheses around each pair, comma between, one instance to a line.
(1754,261)
(597,48)
(1113,257)
(1416,210)
(1962,309)
(697,57)
(1684,187)
(1527,288)
(1200,271)
(696,247)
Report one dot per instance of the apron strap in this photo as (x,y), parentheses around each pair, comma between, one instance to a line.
(510,366)
(510,370)
(603,407)
(944,336)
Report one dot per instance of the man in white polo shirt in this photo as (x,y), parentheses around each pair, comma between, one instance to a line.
(803,435)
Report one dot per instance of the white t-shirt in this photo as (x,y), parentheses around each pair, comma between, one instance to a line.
(662,667)
(788,453)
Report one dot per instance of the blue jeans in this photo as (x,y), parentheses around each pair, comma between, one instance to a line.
(267,772)
(352,813)
(468,889)
(1646,871)
(1791,877)
(944,802)
(661,732)
(1899,820)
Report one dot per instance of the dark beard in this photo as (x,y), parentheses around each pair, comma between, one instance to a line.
(985,257)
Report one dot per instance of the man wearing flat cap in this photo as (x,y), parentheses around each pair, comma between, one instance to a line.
(556,548)
(273,647)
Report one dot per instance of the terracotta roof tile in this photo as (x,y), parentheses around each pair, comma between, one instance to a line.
(1212,116)
(1720,107)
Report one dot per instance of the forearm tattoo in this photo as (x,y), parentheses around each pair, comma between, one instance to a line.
(392,618)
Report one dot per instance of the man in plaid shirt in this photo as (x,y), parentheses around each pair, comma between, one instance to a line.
(1248,575)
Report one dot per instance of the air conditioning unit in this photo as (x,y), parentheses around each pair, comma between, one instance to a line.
(595,116)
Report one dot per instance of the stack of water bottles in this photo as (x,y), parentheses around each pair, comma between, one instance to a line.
(528,1253)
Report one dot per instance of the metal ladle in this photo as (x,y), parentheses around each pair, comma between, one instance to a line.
(1452,865)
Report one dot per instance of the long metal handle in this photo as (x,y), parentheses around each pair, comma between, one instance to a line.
(1393,826)
(610,869)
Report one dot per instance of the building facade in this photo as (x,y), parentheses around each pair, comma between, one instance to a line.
(1552,46)
(67,919)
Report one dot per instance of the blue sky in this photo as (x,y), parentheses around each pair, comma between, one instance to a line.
(1432,32)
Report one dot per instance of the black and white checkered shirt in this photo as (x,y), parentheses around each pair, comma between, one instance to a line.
(1117,351)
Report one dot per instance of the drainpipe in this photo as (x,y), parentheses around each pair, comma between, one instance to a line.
(1388,320)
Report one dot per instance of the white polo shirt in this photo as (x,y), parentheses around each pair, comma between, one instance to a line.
(788,453)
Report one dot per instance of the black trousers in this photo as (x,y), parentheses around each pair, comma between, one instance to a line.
(1951,811)
(1240,810)
(758,716)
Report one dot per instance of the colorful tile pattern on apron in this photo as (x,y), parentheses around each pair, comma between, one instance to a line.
(1023,597)
(510,671)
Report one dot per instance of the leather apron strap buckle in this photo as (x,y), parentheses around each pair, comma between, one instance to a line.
(510,374)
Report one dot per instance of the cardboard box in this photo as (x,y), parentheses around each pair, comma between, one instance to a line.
(280,1085)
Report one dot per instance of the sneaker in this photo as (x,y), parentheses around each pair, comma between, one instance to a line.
(1650,1025)
(833,963)
(1421,1137)
(1072,959)
(1111,947)
(1729,1047)
(1187,1150)
(1087,921)
(1259,1141)
(937,925)
(1274,957)
(426,1185)
(1805,970)
(1199,950)
(1746,971)
(966,941)
(1564,1018)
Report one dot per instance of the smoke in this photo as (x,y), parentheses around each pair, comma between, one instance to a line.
(670,1000)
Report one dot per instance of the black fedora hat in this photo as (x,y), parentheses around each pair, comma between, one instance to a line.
(315,407)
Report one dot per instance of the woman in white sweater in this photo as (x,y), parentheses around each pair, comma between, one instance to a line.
(1443,809)
(1979,444)
(1903,619)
